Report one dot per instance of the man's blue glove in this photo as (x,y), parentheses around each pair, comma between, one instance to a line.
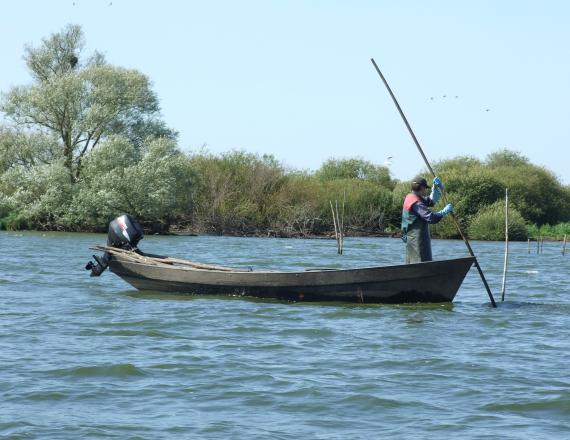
(447,210)
(437,183)
(436,189)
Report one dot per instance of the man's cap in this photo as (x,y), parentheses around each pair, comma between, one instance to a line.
(420,181)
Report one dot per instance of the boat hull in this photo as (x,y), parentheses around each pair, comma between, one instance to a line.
(434,281)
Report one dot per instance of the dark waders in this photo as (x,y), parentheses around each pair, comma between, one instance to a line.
(418,246)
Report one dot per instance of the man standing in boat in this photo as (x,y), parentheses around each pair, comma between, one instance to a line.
(416,216)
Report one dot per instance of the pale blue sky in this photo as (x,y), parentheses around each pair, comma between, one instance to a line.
(294,79)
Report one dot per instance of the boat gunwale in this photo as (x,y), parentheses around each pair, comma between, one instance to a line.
(311,271)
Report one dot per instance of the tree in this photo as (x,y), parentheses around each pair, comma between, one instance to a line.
(81,100)
(26,149)
(506,158)
(154,184)
(459,164)
(534,190)
(354,169)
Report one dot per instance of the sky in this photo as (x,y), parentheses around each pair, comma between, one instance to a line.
(294,78)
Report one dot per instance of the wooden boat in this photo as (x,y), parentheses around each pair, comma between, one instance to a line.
(434,281)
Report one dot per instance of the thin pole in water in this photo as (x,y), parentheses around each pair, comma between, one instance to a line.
(433,174)
(335,228)
(338,226)
(506,244)
(529,245)
(538,245)
(339,229)
(564,245)
(342,223)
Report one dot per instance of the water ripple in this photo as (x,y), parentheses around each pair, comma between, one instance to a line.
(112,371)
(97,359)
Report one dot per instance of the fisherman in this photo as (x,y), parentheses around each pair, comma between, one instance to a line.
(415,218)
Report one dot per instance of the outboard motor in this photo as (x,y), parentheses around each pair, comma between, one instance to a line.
(124,233)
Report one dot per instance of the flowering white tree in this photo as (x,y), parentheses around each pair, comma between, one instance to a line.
(76,102)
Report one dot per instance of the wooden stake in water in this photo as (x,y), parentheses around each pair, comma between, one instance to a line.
(342,223)
(564,245)
(339,243)
(338,226)
(538,245)
(529,245)
(506,244)
(335,227)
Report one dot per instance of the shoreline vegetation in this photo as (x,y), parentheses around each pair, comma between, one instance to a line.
(84,141)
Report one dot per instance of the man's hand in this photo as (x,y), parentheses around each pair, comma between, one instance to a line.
(437,182)
(447,210)
(436,189)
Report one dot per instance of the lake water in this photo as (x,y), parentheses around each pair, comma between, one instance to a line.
(90,358)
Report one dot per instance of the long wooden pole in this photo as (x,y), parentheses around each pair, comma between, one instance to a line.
(564,245)
(504,285)
(433,174)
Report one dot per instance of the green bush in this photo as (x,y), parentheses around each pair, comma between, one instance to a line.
(13,222)
(307,201)
(367,205)
(555,232)
(236,192)
(355,168)
(469,185)
(243,193)
(299,206)
(153,184)
(489,224)
(536,192)
(36,197)
(157,188)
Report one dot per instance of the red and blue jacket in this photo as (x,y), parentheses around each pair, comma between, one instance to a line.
(416,206)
